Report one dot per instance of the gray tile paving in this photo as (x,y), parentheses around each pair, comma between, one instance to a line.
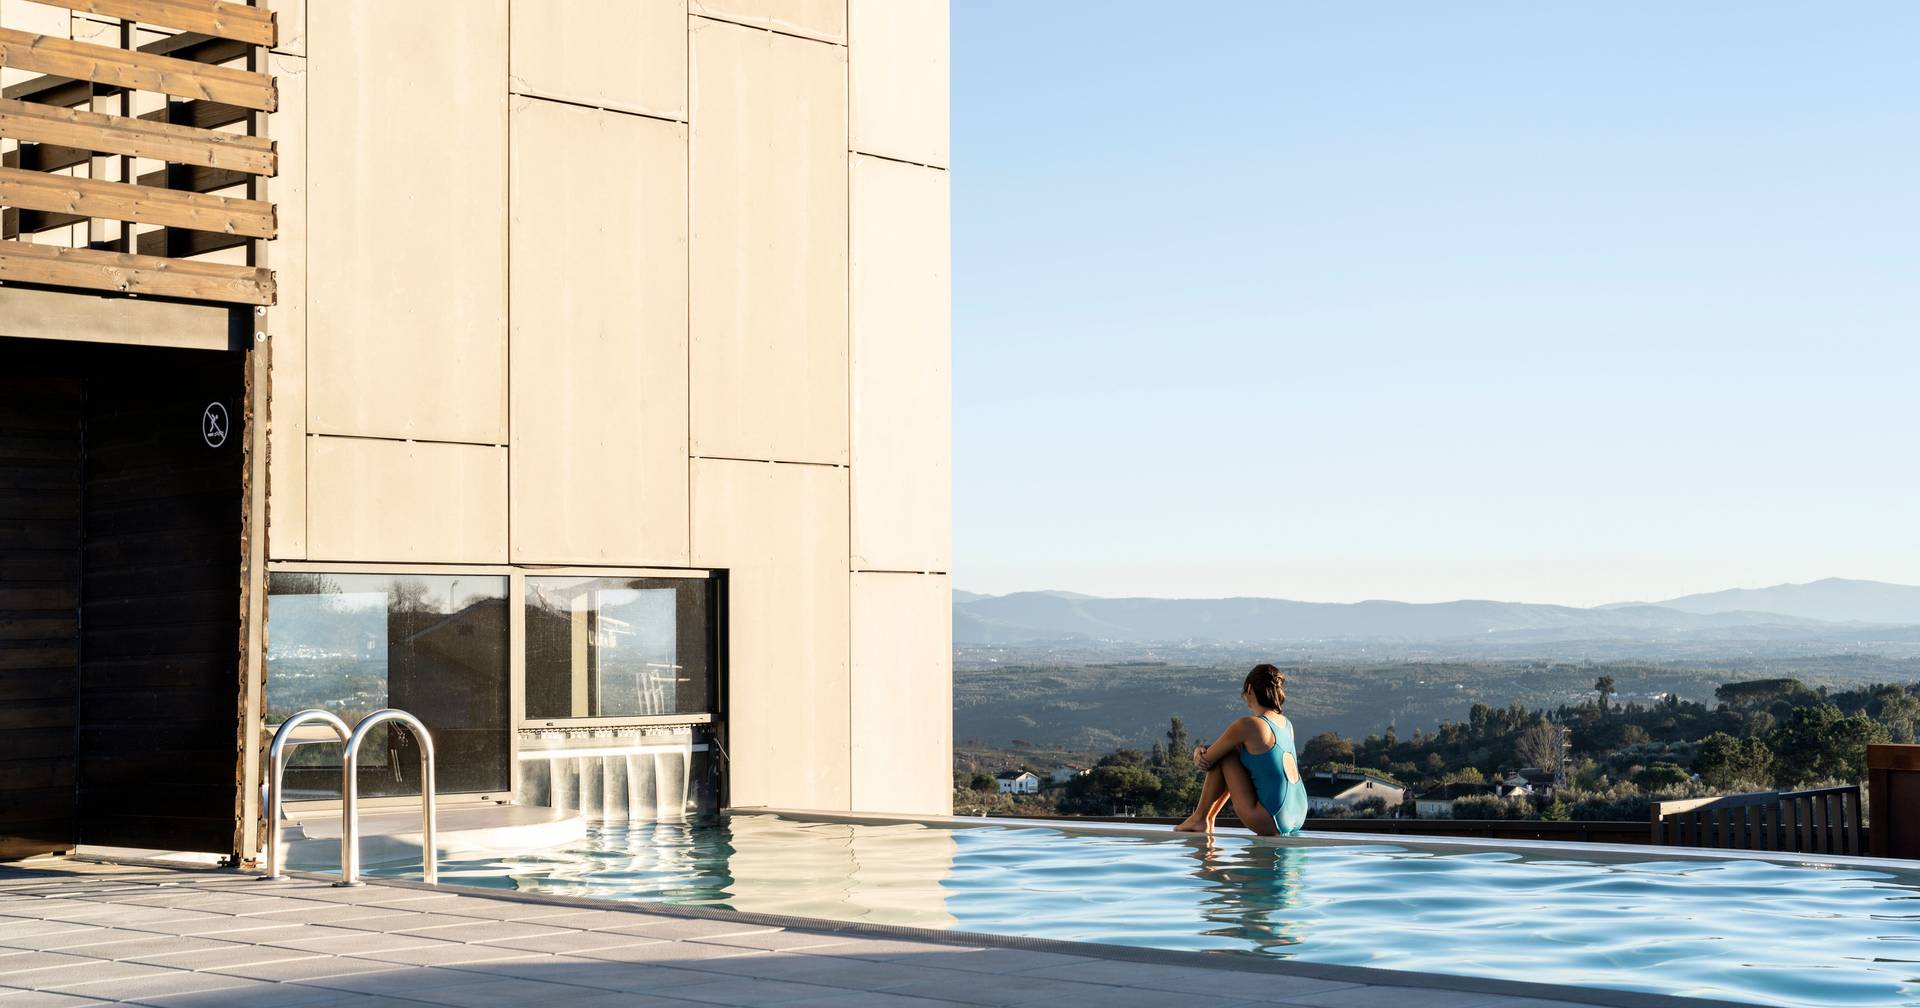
(78,933)
(574,942)
(47,999)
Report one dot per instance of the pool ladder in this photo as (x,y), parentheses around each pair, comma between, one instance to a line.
(349,790)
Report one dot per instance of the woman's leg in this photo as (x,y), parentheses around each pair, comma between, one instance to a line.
(1213,795)
(1246,802)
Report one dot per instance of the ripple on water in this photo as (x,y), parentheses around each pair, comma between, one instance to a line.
(1741,929)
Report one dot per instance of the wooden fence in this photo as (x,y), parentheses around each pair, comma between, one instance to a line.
(130,167)
(1820,821)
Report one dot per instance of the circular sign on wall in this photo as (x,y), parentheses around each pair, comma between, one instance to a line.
(213,425)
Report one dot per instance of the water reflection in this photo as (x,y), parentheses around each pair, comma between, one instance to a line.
(877,874)
(1253,893)
(1709,928)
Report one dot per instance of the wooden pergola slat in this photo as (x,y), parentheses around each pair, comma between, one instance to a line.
(140,71)
(108,134)
(211,17)
(93,269)
(125,201)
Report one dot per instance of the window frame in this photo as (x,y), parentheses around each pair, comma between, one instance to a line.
(516,575)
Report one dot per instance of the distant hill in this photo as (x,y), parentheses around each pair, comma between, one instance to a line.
(1837,600)
(1817,610)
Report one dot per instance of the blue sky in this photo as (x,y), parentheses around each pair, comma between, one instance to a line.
(1543,302)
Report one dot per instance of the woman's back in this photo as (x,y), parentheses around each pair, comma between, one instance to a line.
(1276,777)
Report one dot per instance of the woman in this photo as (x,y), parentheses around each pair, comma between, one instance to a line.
(1253,763)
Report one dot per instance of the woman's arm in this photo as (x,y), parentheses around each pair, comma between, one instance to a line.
(1235,734)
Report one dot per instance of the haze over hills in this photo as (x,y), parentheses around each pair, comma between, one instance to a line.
(1834,609)
(1836,600)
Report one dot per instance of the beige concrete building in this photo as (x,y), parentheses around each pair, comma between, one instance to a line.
(584,363)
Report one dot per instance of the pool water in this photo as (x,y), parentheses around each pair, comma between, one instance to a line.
(1743,930)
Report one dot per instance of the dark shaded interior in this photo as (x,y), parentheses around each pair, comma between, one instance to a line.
(119,596)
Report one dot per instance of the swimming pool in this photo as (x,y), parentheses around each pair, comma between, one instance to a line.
(1741,929)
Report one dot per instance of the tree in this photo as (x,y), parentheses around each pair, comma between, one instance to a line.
(1540,745)
(1109,787)
(1179,746)
(1661,775)
(1604,687)
(1819,743)
(1325,748)
(1899,710)
(1725,761)
(983,782)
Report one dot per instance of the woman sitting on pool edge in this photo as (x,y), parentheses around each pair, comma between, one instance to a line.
(1253,763)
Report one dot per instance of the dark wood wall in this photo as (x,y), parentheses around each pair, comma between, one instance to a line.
(118,722)
(40,480)
(160,597)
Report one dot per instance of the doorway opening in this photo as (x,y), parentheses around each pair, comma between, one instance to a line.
(120,556)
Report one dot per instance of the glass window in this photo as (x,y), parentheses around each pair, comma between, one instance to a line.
(432,645)
(600,647)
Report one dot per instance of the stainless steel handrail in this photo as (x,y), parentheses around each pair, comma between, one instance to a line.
(277,761)
(350,797)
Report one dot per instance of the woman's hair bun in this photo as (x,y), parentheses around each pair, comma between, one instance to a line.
(1268,685)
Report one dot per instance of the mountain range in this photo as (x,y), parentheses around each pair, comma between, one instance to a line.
(1833,608)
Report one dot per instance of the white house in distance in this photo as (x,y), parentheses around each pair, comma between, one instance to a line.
(1438,802)
(1326,790)
(1018,782)
(1533,779)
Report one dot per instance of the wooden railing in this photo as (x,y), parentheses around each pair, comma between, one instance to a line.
(1820,821)
(130,166)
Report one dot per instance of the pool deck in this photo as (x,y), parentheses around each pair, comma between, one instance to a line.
(75,933)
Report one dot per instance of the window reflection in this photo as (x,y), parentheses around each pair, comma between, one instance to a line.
(432,645)
(617,647)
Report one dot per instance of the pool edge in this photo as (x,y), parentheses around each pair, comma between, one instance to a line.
(1324,838)
(1414,982)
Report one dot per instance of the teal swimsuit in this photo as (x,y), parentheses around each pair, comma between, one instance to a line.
(1285,799)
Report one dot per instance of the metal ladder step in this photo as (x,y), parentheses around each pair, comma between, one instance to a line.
(349,790)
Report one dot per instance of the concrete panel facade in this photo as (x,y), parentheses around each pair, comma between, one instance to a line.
(629,55)
(605,285)
(780,530)
(286,321)
(407,502)
(825,20)
(408,339)
(768,315)
(902,383)
(291,15)
(898,79)
(902,686)
(599,337)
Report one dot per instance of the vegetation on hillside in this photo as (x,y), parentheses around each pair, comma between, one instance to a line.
(1613,758)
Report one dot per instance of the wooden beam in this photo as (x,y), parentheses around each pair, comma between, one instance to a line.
(178,244)
(192,178)
(40,157)
(190,46)
(14,223)
(137,70)
(197,48)
(211,17)
(106,317)
(93,269)
(198,114)
(125,201)
(30,122)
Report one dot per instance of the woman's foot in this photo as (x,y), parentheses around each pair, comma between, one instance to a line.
(1193,824)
